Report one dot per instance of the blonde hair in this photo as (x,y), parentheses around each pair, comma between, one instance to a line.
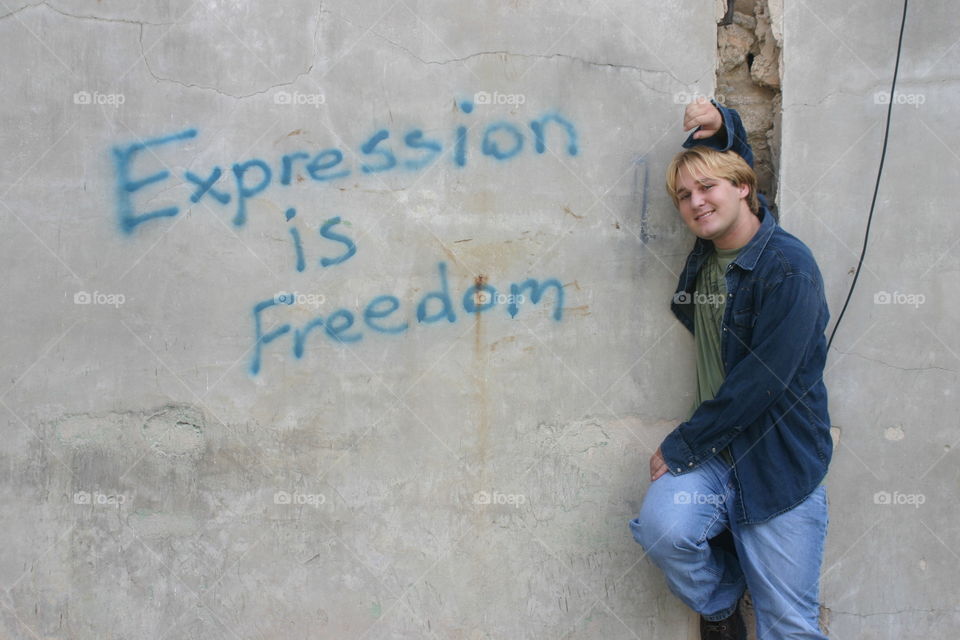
(704,161)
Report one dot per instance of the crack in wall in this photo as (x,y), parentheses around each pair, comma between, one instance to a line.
(503,52)
(543,56)
(10,14)
(81,17)
(893,366)
(101,19)
(193,85)
(143,52)
(309,69)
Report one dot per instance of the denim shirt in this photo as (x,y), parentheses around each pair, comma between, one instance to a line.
(771,410)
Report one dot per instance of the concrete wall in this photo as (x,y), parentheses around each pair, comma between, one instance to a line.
(156,487)
(892,559)
(467,473)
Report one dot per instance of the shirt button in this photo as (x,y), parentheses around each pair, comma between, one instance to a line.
(724,328)
(689,464)
(714,450)
(678,469)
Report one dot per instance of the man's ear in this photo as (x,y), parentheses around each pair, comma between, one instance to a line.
(743,189)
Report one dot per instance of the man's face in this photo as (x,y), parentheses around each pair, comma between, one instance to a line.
(713,208)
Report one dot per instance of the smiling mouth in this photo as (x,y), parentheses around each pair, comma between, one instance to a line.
(704,215)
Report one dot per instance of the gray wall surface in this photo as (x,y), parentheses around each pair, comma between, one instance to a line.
(893,550)
(447,226)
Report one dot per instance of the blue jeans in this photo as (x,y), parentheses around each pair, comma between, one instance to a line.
(778,560)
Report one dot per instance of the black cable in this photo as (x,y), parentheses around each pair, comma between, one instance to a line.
(876,188)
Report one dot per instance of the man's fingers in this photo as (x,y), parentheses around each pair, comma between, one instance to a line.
(699,107)
(702,114)
(695,116)
(658,466)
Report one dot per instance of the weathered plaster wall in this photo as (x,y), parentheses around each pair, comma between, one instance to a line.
(891,562)
(465,476)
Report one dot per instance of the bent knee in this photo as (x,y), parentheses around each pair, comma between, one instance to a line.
(663,538)
(652,535)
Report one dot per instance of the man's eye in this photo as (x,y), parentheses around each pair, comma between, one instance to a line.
(684,196)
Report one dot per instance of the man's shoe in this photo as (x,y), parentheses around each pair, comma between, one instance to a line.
(731,628)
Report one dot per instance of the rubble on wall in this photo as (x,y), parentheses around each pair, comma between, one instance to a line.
(749,65)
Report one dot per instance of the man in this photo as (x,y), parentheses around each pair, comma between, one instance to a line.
(735,499)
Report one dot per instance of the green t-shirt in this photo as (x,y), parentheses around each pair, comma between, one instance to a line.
(710,299)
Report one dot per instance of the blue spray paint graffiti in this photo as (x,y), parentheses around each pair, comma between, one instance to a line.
(126,186)
(433,307)
(641,174)
(500,141)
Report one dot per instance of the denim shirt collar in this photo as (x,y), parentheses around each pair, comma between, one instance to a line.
(750,253)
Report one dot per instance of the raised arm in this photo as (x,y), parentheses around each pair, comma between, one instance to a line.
(717,127)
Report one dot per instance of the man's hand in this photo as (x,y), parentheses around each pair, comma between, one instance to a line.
(704,115)
(658,465)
